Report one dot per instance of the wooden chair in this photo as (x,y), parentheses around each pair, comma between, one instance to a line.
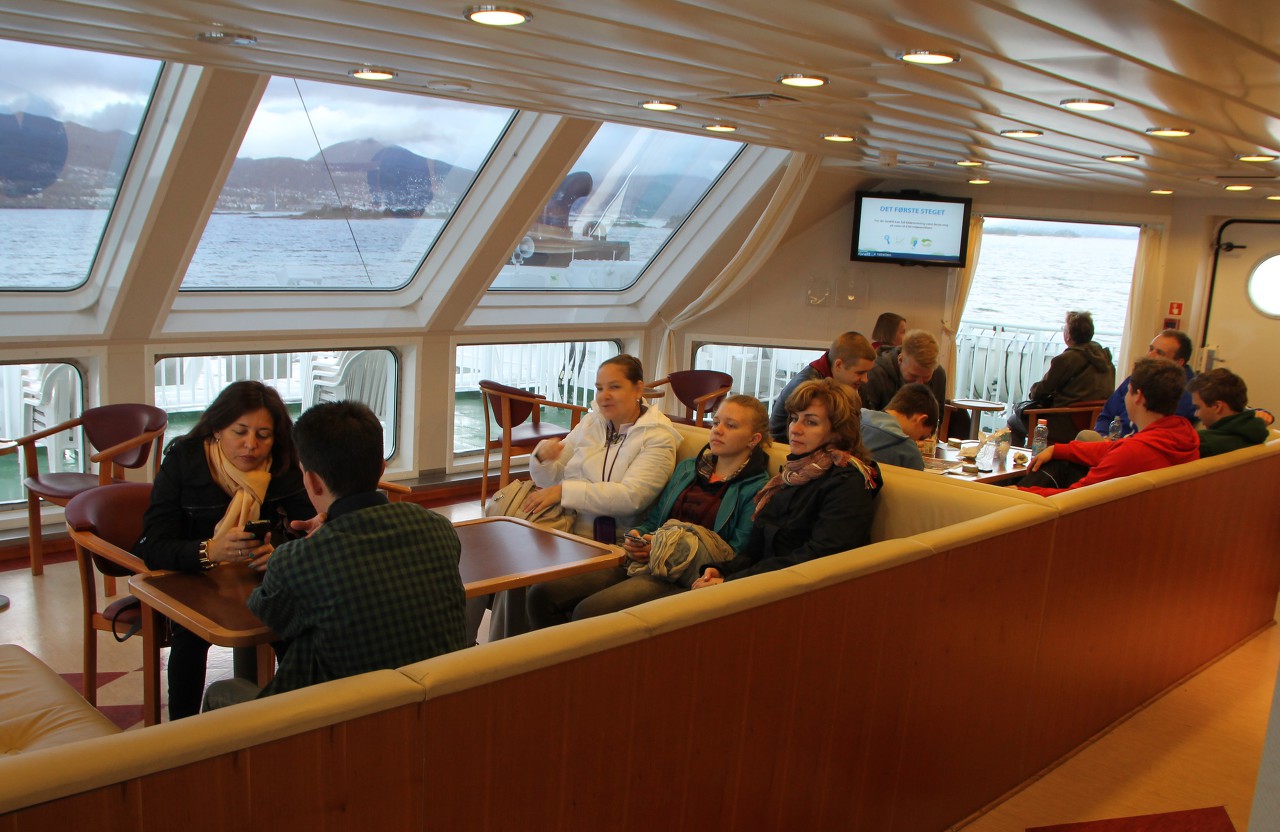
(123,432)
(1066,421)
(518,413)
(105,524)
(700,391)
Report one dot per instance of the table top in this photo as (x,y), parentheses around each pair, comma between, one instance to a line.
(981,405)
(1005,469)
(210,604)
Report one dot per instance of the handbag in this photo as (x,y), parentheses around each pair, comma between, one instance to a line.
(508,502)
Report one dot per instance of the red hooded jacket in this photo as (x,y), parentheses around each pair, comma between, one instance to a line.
(1168,441)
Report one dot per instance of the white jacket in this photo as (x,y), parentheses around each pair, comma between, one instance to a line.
(635,473)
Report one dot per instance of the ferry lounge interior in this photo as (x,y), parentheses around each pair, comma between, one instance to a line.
(991,661)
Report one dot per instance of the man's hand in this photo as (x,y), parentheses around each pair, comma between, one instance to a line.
(308,526)
(1040,459)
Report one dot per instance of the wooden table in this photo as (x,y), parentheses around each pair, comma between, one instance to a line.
(978,406)
(497,553)
(1005,469)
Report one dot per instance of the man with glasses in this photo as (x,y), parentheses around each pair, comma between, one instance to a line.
(1172,345)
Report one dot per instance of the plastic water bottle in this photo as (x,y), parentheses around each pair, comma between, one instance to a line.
(1040,439)
(1113,432)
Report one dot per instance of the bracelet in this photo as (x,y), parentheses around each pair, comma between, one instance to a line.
(203,553)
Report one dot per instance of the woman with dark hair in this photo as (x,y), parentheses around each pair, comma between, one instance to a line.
(823,500)
(889,331)
(237,465)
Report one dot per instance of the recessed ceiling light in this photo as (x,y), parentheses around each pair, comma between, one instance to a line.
(1274,197)
(1121,157)
(1087,105)
(1255,157)
(226,38)
(979,180)
(1170,132)
(497,15)
(838,137)
(1022,134)
(662,106)
(1161,191)
(720,127)
(927,56)
(802,79)
(970,163)
(1238,188)
(372,73)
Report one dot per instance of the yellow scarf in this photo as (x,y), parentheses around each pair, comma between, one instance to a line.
(247,488)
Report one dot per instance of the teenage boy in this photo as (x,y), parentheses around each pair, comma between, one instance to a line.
(1220,397)
(848,361)
(892,434)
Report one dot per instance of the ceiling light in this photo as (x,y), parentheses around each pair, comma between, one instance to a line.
(720,127)
(662,106)
(372,73)
(227,38)
(1255,157)
(802,79)
(1238,188)
(1170,132)
(927,56)
(1121,157)
(837,137)
(497,15)
(1087,105)
(1274,197)
(979,180)
(970,163)
(1022,134)
(1161,191)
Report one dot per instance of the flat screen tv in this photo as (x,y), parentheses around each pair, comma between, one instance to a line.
(911,229)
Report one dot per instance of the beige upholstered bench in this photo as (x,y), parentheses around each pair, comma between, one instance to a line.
(38,709)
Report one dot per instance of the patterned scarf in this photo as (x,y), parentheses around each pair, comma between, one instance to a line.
(247,488)
(807,469)
(706,465)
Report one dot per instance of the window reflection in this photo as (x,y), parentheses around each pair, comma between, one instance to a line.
(625,196)
(338,187)
(68,123)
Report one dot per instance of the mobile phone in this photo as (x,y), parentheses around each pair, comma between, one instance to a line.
(637,539)
(258,528)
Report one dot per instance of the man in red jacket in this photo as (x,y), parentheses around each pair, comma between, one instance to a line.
(1163,439)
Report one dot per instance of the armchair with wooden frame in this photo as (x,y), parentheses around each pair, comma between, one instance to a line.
(105,524)
(518,413)
(700,391)
(1066,421)
(125,434)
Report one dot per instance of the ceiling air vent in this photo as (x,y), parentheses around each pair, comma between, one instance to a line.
(760,99)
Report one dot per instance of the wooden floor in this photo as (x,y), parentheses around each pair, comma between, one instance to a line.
(1197,746)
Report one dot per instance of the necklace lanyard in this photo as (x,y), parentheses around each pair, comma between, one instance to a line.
(612,436)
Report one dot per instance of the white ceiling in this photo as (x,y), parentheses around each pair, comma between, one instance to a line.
(1209,65)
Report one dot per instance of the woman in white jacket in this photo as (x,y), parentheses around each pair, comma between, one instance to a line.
(608,470)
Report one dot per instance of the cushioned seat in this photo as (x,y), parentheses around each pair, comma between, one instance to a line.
(38,709)
(62,487)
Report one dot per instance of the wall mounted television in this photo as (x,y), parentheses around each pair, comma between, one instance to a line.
(911,229)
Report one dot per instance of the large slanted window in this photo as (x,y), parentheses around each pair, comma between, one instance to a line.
(68,124)
(624,197)
(339,187)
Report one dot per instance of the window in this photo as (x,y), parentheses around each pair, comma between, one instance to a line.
(68,123)
(563,372)
(186,385)
(758,370)
(624,197)
(1030,273)
(34,397)
(339,187)
(1264,287)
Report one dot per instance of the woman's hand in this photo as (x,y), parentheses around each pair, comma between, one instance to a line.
(541,500)
(637,546)
(261,555)
(234,546)
(549,451)
(710,577)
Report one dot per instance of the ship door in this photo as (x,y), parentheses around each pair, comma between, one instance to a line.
(1242,332)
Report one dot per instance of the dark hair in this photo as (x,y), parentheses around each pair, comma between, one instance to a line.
(1221,385)
(915,398)
(844,410)
(849,347)
(1184,343)
(239,398)
(341,442)
(886,328)
(631,367)
(1160,382)
(1080,327)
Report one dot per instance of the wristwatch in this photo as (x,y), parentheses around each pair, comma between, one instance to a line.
(203,553)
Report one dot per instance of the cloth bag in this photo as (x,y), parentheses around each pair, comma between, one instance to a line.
(679,552)
(508,500)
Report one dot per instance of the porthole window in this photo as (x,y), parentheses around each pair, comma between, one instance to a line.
(1264,287)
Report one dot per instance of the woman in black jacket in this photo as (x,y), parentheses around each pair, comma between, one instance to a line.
(237,465)
(823,501)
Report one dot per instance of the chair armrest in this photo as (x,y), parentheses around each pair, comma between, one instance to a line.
(8,446)
(90,542)
(32,437)
(394,488)
(714,394)
(1071,408)
(111,453)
